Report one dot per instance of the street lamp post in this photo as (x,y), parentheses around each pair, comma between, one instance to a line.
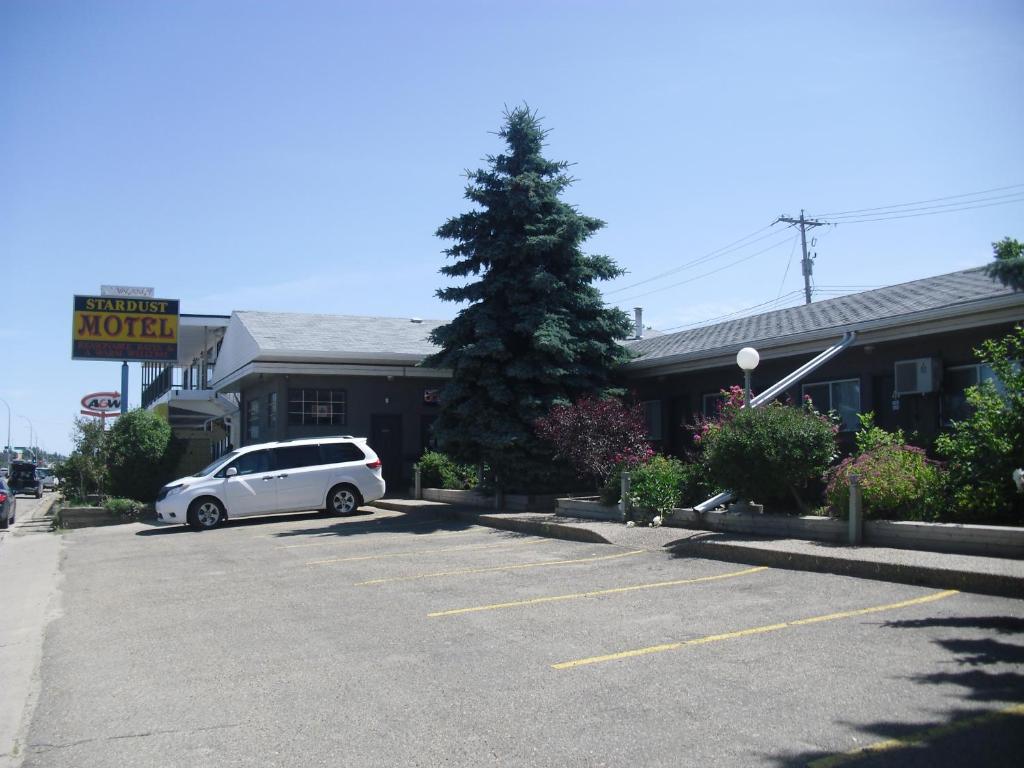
(31,434)
(747,359)
(7,448)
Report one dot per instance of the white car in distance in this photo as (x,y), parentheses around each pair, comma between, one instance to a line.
(333,474)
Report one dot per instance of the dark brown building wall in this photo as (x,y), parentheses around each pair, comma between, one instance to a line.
(366,397)
(871,364)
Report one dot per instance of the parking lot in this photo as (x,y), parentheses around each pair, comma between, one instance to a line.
(383,639)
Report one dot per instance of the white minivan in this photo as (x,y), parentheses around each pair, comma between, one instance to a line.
(333,474)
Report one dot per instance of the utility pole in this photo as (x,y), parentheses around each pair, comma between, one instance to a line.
(807,265)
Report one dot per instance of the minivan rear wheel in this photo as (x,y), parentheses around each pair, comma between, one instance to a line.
(205,513)
(343,500)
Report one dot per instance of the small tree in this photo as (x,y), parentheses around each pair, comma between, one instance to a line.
(1008,267)
(141,454)
(983,450)
(768,453)
(595,435)
(84,472)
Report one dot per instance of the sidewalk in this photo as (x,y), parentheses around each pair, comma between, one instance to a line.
(29,571)
(968,573)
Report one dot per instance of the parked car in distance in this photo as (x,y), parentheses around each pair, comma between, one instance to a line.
(49,479)
(7,505)
(23,478)
(333,474)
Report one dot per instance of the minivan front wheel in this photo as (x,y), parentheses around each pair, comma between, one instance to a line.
(343,500)
(204,514)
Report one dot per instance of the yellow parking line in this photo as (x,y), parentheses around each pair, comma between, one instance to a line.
(499,568)
(594,593)
(410,552)
(329,538)
(752,631)
(929,734)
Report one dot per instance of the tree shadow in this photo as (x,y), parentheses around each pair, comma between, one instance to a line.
(989,732)
(329,526)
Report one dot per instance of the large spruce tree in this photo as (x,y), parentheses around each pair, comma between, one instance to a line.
(535,330)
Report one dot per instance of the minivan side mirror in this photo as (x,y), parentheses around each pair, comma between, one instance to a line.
(231,472)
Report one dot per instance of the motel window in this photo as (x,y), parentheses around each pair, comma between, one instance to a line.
(956,381)
(843,397)
(710,404)
(252,420)
(652,414)
(316,406)
(271,413)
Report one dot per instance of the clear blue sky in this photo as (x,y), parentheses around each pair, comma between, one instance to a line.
(300,155)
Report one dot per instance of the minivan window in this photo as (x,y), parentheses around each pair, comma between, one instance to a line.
(249,463)
(214,464)
(295,456)
(336,453)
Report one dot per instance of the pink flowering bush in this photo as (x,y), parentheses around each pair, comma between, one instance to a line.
(898,482)
(597,436)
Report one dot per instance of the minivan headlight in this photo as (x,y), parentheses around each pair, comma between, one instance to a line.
(176,489)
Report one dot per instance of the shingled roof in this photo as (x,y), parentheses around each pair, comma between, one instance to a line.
(278,333)
(955,293)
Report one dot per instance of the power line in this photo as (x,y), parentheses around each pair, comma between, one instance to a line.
(777,300)
(789,263)
(836,214)
(706,274)
(933,213)
(724,250)
(940,207)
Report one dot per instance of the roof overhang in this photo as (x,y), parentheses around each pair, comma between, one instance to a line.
(234,381)
(1000,310)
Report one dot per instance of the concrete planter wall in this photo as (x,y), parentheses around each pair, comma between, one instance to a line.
(992,540)
(86,517)
(590,509)
(952,538)
(512,501)
(782,526)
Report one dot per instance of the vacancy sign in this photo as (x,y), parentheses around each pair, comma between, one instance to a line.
(126,329)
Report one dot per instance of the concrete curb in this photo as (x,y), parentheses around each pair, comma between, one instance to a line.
(988,576)
(1000,585)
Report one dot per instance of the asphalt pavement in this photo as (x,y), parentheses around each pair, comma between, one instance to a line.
(395,638)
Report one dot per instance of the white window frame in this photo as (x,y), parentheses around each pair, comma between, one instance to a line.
(830,383)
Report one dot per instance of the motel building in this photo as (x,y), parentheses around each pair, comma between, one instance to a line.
(903,351)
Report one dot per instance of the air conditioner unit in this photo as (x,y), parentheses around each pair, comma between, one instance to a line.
(916,377)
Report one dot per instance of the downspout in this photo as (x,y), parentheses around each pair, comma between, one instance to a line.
(773,391)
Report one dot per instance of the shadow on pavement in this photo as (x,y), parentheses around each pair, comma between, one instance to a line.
(989,734)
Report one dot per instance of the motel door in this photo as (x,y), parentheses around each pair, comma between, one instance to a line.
(386,441)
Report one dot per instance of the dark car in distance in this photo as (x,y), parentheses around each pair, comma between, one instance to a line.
(7,505)
(23,478)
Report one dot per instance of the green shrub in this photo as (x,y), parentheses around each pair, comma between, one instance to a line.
(765,454)
(128,509)
(869,436)
(141,454)
(654,486)
(983,450)
(438,471)
(693,485)
(898,482)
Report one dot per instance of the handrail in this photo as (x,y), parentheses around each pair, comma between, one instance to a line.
(773,391)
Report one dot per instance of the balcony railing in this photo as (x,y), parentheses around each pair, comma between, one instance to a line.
(162,381)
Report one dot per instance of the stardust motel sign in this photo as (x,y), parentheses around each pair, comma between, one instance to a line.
(125,329)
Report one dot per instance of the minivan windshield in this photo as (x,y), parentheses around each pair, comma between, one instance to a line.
(214,464)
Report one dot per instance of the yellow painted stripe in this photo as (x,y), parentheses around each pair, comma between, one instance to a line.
(593,593)
(929,734)
(753,631)
(411,552)
(517,567)
(323,540)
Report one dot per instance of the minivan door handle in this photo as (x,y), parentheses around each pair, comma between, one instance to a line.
(282,475)
(267,477)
